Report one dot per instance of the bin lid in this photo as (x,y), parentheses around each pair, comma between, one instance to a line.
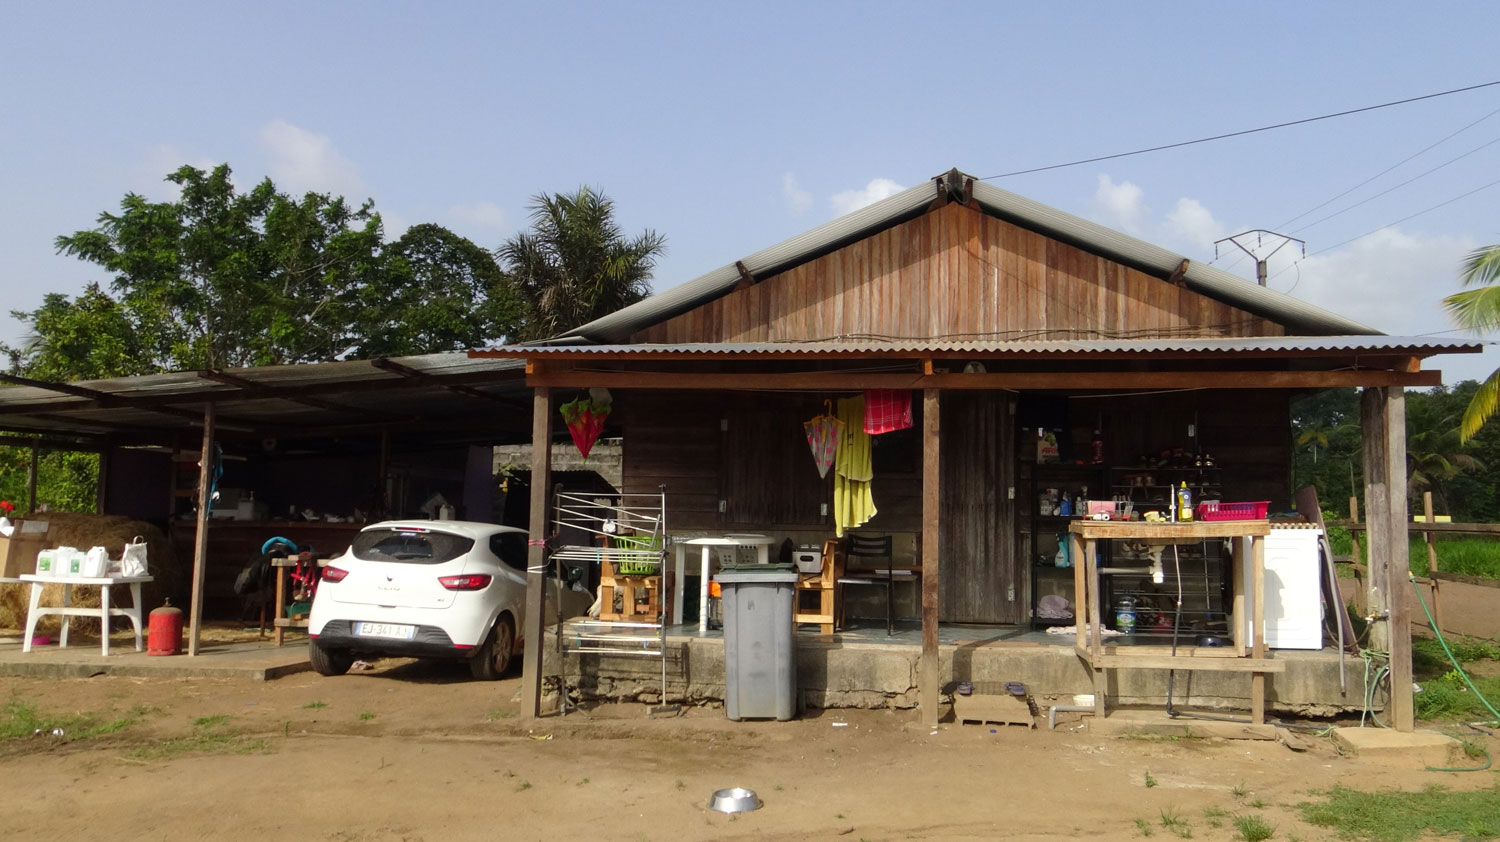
(776,566)
(759,573)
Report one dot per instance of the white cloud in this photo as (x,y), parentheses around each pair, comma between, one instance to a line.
(1120,205)
(300,161)
(392,225)
(1191,227)
(1390,280)
(797,199)
(479,221)
(850,201)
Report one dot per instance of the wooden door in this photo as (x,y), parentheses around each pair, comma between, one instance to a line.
(981,580)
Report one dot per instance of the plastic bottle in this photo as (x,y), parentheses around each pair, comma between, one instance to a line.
(1098,448)
(1184,503)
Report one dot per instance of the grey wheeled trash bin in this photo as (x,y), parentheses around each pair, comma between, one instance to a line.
(760,644)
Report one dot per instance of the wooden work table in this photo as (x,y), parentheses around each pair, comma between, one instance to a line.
(1249,652)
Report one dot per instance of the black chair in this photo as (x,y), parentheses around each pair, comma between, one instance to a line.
(871,547)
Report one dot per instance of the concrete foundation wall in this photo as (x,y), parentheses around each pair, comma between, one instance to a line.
(837,675)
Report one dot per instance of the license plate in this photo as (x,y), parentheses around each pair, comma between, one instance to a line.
(392,630)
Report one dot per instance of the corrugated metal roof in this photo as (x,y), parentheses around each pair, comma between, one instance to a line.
(448,387)
(1260,345)
(1215,283)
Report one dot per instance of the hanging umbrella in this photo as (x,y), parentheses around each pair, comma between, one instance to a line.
(823,432)
(585,420)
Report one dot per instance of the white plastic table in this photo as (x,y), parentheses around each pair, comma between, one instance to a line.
(761,543)
(103,612)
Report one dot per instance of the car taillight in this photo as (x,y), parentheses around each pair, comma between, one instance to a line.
(467,582)
(334,574)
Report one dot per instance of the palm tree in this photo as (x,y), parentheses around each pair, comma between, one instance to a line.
(1479,310)
(1433,457)
(575,264)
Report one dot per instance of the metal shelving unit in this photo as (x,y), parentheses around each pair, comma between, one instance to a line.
(628,541)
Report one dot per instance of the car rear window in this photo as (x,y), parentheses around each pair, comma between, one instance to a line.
(410,546)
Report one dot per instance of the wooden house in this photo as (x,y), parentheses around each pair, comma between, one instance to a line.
(1006,320)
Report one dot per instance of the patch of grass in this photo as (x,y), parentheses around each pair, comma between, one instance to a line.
(1213,811)
(1144,827)
(1253,828)
(366,716)
(19,718)
(1448,697)
(1173,821)
(499,713)
(314,705)
(509,773)
(1402,816)
(680,785)
(525,785)
(1150,781)
(1239,790)
(207,737)
(1256,804)
(584,781)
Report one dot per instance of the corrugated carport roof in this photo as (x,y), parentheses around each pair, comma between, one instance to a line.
(430,391)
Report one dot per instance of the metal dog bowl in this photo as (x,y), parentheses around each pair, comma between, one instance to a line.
(736,800)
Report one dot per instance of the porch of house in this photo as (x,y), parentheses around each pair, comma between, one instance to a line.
(864,667)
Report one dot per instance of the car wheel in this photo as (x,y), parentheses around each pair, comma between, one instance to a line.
(492,658)
(329,661)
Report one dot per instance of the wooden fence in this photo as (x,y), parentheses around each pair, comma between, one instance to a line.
(1467,605)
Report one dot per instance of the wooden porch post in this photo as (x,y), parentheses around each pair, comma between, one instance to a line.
(1383,417)
(536,553)
(927,675)
(31,480)
(200,540)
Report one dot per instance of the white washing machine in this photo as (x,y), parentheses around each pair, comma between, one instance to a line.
(1294,589)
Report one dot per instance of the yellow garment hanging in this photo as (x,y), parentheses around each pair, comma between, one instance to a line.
(853,504)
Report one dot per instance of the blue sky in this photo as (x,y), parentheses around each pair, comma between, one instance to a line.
(731,127)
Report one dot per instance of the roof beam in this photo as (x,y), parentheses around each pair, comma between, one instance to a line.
(1030,380)
(257,390)
(428,379)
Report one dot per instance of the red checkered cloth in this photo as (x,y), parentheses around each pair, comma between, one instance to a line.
(887,410)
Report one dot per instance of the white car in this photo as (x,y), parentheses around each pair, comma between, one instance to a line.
(426,589)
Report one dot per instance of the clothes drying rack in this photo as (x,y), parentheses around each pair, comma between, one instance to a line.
(627,539)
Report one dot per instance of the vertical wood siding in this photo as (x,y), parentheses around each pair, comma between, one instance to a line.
(981,580)
(956,272)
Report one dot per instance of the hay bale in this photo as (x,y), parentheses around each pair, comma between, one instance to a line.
(74,529)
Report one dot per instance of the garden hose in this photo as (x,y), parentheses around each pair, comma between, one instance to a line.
(1431,621)
(1449,652)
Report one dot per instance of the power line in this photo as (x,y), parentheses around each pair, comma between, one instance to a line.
(1399,163)
(1398,186)
(1407,218)
(1243,132)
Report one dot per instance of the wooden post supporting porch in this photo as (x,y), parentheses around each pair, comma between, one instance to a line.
(536,554)
(200,539)
(927,674)
(1383,418)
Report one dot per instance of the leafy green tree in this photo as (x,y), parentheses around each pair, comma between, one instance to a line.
(441,292)
(1478,310)
(575,264)
(220,278)
(1326,445)
(84,338)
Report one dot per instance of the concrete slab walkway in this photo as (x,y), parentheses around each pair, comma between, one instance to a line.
(257,661)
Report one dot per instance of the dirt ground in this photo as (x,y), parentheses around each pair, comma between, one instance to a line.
(414,751)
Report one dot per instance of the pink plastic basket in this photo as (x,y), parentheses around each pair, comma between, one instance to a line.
(1210,510)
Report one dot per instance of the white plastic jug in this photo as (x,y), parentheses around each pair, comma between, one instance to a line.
(69,561)
(95,563)
(46,563)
